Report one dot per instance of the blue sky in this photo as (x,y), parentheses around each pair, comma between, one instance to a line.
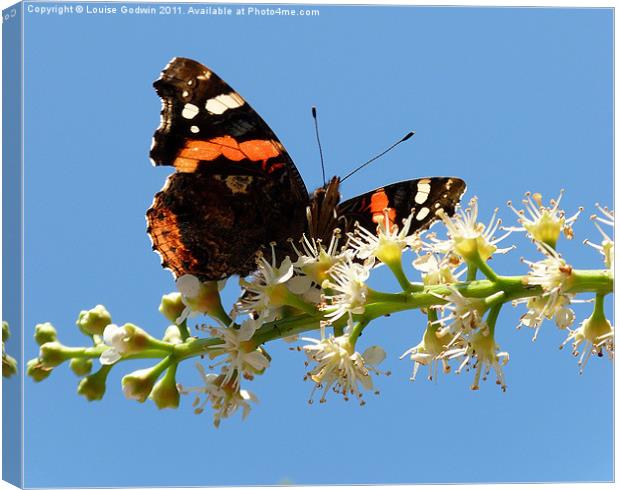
(510,100)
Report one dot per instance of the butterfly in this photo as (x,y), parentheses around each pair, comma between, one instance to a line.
(236,189)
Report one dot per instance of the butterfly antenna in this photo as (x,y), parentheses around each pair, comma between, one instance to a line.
(318,140)
(402,140)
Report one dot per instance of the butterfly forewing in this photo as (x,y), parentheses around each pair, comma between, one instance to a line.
(235,188)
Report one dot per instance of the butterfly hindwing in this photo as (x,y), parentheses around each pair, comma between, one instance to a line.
(422,197)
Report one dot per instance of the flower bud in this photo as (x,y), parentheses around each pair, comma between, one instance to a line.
(198,297)
(93,386)
(172,306)
(45,332)
(36,371)
(6,333)
(125,340)
(9,366)
(81,366)
(52,354)
(94,321)
(139,384)
(165,394)
(172,335)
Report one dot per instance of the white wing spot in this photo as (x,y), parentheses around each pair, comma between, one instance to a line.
(421,197)
(214,106)
(185,93)
(221,103)
(190,111)
(422,213)
(194,129)
(424,187)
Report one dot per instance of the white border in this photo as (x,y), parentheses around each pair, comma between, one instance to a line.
(477,3)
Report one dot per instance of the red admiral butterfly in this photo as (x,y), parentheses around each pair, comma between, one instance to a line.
(236,188)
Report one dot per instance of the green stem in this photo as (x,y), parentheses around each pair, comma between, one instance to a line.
(598,314)
(183,330)
(170,375)
(472,270)
(357,331)
(161,366)
(497,292)
(397,269)
(492,317)
(486,270)
(218,313)
(597,281)
(296,302)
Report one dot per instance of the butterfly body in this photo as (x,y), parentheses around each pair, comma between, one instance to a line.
(236,190)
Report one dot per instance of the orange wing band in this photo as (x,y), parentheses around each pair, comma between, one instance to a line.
(227,147)
(380,206)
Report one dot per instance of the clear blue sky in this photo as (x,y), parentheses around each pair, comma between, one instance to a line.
(511,100)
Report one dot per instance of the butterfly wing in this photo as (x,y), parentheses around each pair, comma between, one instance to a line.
(422,197)
(235,188)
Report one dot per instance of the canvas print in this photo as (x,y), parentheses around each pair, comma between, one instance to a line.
(253,244)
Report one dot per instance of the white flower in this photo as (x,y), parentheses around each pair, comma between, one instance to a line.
(465,314)
(431,350)
(348,282)
(547,306)
(313,264)
(124,340)
(544,224)
(596,334)
(197,296)
(387,243)
(606,248)
(481,347)
(241,356)
(266,290)
(468,238)
(315,261)
(438,271)
(225,399)
(552,273)
(340,368)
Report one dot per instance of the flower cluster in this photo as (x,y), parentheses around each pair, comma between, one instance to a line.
(326,287)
